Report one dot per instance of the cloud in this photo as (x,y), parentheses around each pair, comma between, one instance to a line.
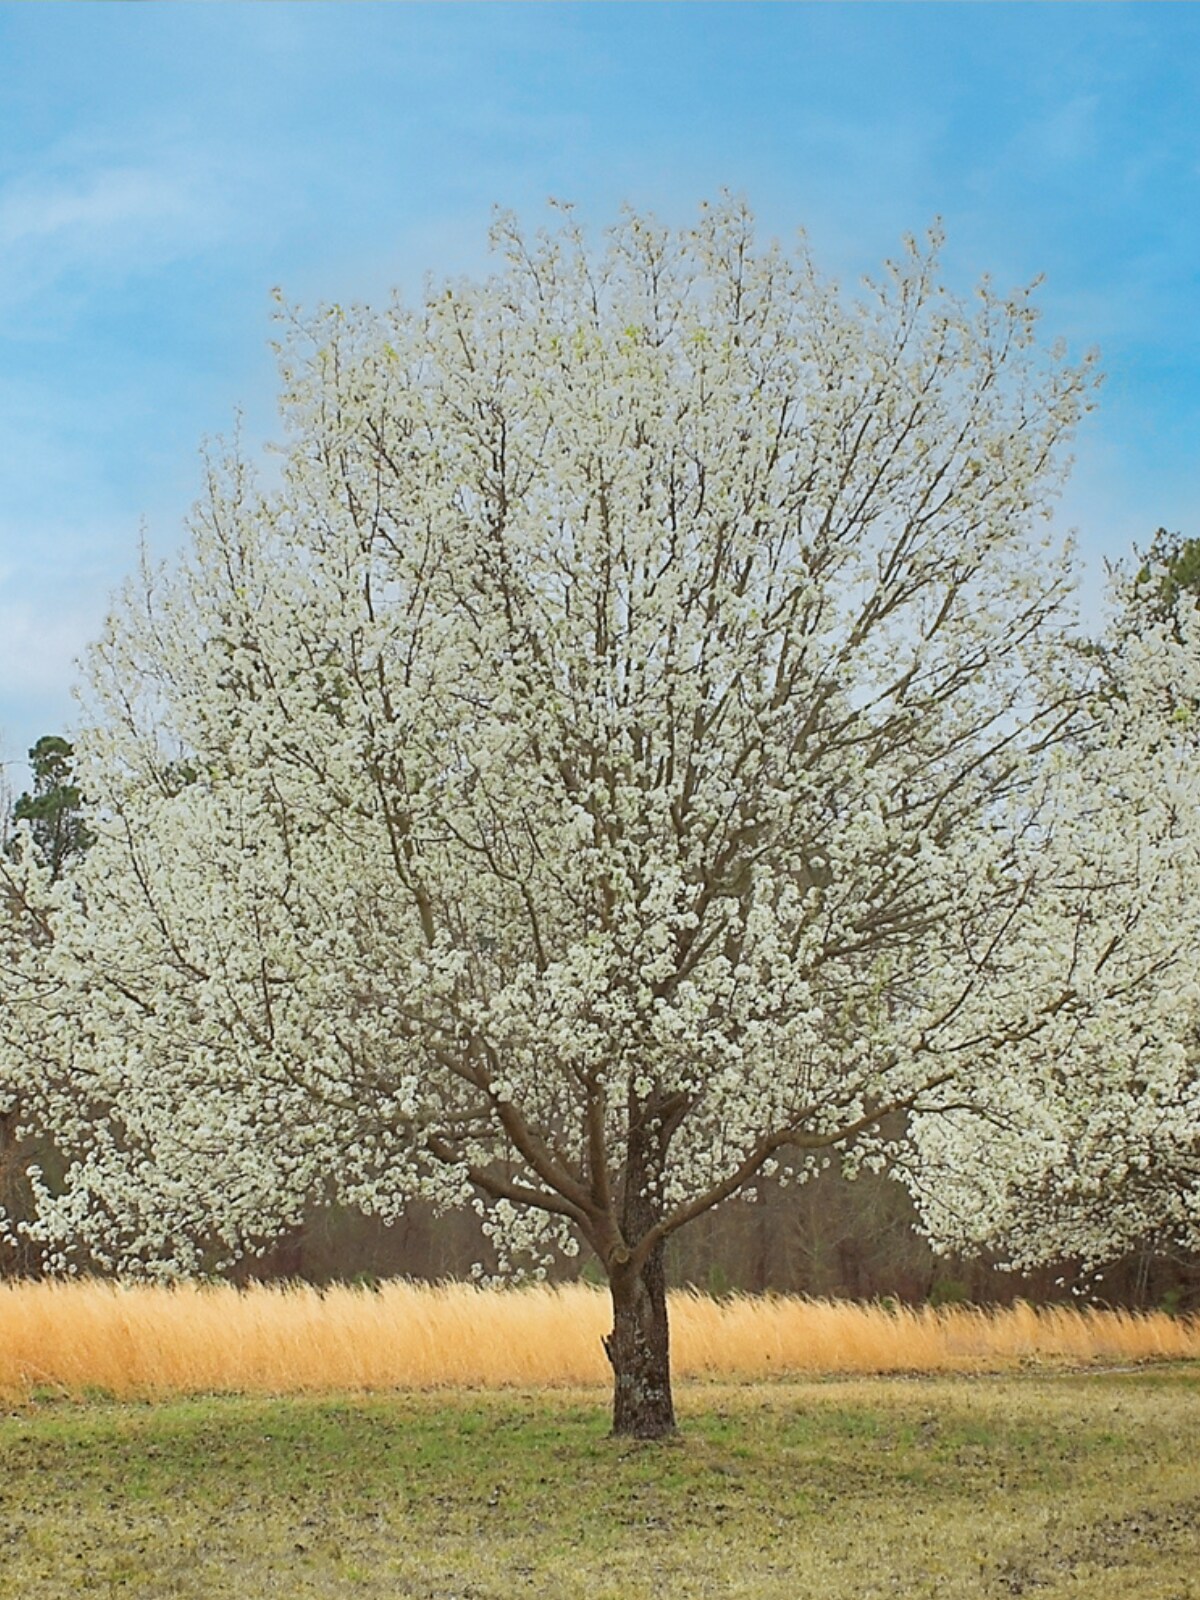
(116,199)
(85,218)
(41,644)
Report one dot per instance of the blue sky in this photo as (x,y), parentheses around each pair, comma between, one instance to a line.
(163,166)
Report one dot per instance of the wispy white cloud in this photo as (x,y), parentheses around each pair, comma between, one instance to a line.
(114,199)
(92,216)
(42,642)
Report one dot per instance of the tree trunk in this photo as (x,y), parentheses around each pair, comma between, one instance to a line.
(639,1351)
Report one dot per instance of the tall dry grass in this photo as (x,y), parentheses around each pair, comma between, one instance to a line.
(131,1341)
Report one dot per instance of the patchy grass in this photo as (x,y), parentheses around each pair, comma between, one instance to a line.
(140,1341)
(1049,1485)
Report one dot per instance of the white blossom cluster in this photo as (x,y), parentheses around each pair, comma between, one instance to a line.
(1094,1148)
(639,745)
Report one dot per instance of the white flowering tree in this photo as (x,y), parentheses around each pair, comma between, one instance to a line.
(616,762)
(1095,1151)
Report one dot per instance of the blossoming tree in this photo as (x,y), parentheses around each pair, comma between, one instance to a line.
(1095,1151)
(616,761)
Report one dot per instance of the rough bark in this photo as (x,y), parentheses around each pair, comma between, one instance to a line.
(639,1347)
(639,1351)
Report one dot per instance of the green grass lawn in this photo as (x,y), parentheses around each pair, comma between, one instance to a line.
(1048,1485)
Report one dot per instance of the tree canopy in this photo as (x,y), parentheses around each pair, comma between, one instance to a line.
(1100,1155)
(635,748)
(1169,571)
(54,809)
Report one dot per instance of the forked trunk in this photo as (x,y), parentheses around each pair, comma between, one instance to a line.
(639,1351)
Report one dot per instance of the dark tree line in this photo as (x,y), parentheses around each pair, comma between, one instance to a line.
(54,810)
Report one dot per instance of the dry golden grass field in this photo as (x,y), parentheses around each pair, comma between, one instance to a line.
(125,1341)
